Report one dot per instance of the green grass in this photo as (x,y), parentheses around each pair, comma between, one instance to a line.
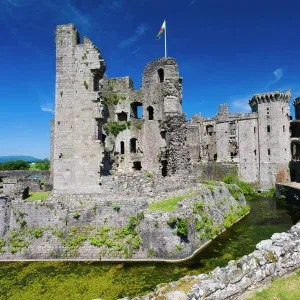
(38,196)
(169,204)
(286,288)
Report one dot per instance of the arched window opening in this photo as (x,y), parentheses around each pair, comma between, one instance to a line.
(161,75)
(215,157)
(269,128)
(254,130)
(122,116)
(282,110)
(122,146)
(209,130)
(133,145)
(150,113)
(137,166)
(136,110)
(283,128)
(255,152)
(269,151)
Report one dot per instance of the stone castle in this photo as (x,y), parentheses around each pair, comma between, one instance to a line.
(103,126)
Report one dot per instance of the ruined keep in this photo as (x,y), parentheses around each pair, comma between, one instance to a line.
(105,129)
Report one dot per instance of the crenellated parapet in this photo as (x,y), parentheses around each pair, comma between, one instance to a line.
(270,97)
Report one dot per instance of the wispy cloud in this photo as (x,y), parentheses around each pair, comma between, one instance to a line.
(192,2)
(139,32)
(137,49)
(116,4)
(19,3)
(47,108)
(241,104)
(278,74)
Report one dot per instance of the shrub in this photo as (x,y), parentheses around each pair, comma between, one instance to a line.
(235,193)
(151,252)
(37,233)
(246,188)
(182,227)
(86,85)
(141,216)
(116,207)
(76,215)
(230,179)
(149,174)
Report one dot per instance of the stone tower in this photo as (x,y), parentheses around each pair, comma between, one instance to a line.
(162,97)
(273,134)
(77,149)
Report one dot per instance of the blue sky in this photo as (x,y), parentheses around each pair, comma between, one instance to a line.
(226,51)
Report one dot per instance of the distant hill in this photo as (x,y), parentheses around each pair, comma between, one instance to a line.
(4,159)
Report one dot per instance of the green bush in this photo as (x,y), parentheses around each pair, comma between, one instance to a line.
(37,233)
(246,188)
(116,207)
(182,227)
(76,215)
(230,179)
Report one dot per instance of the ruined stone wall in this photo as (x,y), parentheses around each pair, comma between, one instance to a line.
(77,152)
(178,152)
(215,170)
(114,226)
(25,173)
(193,139)
(248,150)
(273,258)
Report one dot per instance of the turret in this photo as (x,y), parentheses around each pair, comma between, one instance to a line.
(272,132)
(162,89)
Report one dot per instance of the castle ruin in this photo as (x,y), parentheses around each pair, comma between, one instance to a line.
(104,128)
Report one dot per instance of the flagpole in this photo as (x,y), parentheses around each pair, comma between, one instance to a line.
(165,39)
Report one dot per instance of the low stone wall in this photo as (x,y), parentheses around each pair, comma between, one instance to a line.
(24,173)
(273,258)
(116,226)
(292,194)
(214,170)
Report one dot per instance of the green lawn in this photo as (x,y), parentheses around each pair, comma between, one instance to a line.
(169,204)
(38,196)
(285,288)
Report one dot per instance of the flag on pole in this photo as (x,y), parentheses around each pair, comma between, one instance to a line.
(161,31)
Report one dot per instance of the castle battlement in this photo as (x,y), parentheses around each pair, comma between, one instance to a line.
(270,97)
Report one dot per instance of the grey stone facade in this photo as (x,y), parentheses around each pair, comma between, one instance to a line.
(103,127)
(259,142)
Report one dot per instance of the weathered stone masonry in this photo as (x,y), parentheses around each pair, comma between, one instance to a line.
(103,126)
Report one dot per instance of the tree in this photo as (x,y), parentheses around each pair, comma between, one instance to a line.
(15,165)
(43,164)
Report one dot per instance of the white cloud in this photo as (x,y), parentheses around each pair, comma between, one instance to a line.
(47,108)
(278,73)
(241,104)
(139,32)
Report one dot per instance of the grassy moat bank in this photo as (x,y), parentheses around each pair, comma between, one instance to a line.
(70,280)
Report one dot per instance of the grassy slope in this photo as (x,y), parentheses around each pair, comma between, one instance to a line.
(285,288)
(169,204)
(38,196)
